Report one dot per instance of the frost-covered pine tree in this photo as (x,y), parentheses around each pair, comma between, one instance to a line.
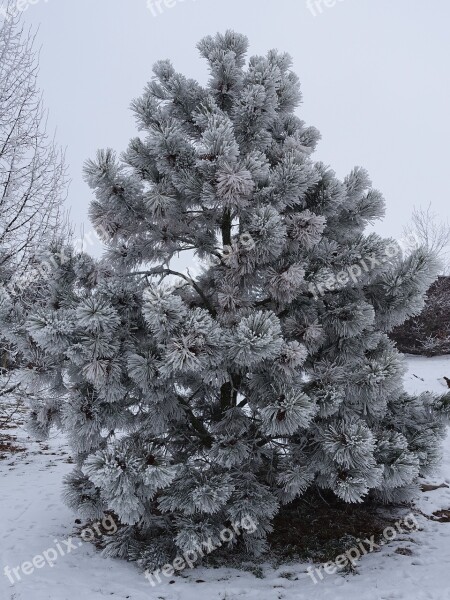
(192,402)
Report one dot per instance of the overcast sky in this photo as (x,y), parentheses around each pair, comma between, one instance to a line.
(375,78)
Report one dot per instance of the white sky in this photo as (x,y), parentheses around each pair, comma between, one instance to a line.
(375,78)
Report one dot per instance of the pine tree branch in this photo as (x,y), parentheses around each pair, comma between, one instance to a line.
(189,280)
(226,227)
(229,392)
(196,423)
(9,390)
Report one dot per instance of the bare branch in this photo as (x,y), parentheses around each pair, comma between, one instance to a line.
(32,171)
(429,230)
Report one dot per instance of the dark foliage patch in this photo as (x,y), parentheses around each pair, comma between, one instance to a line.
(429,333)
(320,528)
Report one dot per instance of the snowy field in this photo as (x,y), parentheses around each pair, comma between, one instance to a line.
(34,520)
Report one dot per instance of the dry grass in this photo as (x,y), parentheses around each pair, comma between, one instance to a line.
(11,417)
(8,446)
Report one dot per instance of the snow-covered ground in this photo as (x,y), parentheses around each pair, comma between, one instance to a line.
(33,520)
